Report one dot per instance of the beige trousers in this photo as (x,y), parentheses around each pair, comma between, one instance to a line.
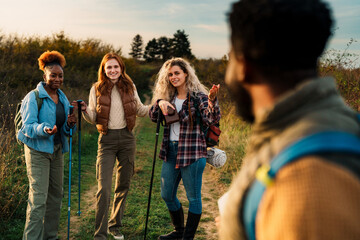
(118,145)
(45,173)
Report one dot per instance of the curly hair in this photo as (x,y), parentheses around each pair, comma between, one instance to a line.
(165,90)
(280,34)
(125,83)
(49,58)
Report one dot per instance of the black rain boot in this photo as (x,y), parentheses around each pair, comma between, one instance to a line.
(177,219)
(191,226)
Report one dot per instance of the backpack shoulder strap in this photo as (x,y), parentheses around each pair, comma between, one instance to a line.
(197,113)
(39,100)
(323,142)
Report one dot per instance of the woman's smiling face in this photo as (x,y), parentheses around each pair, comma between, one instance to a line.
(112,69)
(177,76)
(54,77)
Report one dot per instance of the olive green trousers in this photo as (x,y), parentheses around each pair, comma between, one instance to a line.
(118,145)
(46,176)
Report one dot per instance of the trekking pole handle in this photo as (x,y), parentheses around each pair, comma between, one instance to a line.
(158,122)
(79,113)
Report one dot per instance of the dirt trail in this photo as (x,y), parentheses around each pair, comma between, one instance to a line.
(211,191)
(88,201)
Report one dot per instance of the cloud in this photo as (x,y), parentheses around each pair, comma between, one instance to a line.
(348,12)
(342,41)
(173,8)
(211,28)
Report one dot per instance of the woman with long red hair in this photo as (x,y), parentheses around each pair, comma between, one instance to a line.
(113,106)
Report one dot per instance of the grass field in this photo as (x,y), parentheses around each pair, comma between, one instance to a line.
(135,214)
(82,227)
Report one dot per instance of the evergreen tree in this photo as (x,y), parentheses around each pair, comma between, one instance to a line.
(180,45)
(137,47)
(151,51)
(164,45)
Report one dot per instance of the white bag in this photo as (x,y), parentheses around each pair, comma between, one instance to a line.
(216,157)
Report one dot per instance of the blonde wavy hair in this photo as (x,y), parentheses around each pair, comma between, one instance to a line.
(165,90)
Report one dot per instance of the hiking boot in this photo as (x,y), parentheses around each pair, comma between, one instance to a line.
(177,219)
(116,234)
(191,226)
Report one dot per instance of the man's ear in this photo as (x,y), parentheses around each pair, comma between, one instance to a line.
(241,68)
(44,77)
(237,69)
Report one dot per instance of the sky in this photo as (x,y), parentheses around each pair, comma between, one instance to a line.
(116,22)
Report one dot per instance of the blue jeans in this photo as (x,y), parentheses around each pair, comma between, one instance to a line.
(192,180)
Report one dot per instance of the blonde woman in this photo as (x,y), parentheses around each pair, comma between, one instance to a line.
(183,147)
(113,106)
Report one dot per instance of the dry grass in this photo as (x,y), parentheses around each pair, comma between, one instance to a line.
(13,187)
(233,140)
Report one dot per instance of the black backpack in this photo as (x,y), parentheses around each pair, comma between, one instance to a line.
(18,120)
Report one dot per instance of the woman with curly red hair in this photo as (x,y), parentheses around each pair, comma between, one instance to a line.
(44,134)
(113,106)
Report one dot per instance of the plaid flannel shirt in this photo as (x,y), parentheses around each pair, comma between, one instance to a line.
(192,144)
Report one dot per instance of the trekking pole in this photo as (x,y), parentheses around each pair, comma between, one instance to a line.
(70,156)
(79,149)
(153,169)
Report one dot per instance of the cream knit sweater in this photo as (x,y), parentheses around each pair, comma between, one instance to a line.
(117,116)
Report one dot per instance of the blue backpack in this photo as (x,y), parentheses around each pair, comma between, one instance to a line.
(323,142)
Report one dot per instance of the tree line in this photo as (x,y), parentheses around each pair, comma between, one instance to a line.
(19,71)
(162,48)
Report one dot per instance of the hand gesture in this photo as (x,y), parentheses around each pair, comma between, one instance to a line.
(82,103)
(163,104)
(71,121)
(51,131)
(213,92)
(218,222)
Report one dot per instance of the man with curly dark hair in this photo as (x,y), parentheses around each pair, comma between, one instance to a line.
(46,125)
(273,76)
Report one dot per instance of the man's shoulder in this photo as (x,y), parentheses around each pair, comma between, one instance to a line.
(313,168)
(311,193)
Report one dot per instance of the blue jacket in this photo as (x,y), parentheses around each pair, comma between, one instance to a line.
(32,131)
